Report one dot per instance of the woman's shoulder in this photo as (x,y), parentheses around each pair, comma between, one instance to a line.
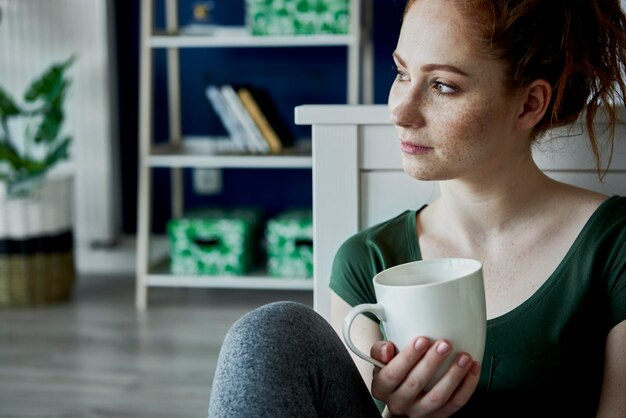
(611,212)
(606,224)
(615,204)
(576,204)
(390,228)
(371,250)
(391,238)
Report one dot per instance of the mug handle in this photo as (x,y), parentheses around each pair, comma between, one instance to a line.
(378,310)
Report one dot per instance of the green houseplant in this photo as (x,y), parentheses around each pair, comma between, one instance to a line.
(36,239)
(24,163)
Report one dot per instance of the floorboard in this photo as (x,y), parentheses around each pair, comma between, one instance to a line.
(95,356)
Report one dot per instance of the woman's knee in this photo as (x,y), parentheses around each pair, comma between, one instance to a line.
(288,325)
(275,318)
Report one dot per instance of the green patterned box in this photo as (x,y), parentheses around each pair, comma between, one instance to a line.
(298,17)
(214,242)
(289,244)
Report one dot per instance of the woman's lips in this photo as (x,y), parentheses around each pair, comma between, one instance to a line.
(414,149)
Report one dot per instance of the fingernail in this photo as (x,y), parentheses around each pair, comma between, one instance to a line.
(463,361)
(475,370)
(384,349)
(421,343)
(443,348)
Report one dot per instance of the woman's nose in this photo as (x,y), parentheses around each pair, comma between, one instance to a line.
(405,109)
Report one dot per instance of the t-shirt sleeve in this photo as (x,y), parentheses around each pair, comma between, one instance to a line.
(352,272)
(617,286)
(370,251)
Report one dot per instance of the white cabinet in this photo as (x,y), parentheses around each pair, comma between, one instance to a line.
(182,152)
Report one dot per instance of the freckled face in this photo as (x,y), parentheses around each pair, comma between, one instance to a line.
(452,114)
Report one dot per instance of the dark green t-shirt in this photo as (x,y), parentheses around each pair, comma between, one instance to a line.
(546,356)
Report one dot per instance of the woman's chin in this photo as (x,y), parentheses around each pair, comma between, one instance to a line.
(420,173)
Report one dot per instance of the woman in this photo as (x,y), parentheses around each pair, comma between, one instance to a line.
(477,82)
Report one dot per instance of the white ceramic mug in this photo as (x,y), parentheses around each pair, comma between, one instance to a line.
(440,299)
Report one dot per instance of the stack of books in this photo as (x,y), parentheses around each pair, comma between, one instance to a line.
(250,119)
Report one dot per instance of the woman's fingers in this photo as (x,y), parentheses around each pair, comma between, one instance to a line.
(418,377)
(462,395)
(451,391)
(454,389)
(407,394)
(386,380)
(402,384)
(383,351)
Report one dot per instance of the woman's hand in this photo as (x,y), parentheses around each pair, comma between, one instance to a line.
(401,383)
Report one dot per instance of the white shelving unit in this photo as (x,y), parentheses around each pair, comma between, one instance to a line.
(185,152)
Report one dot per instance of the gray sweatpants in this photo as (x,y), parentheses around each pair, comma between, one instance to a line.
(285,360)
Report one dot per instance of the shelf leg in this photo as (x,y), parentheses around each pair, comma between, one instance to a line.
(145,138)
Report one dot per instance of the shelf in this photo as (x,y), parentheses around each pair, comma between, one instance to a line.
(160,276)
(206,152)
(225,282)
(239,36)
(218,152)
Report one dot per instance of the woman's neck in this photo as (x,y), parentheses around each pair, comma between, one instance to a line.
(496,204)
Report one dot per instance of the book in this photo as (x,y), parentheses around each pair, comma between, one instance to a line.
(228,119)
(266,128)
(255,138)
(271,113)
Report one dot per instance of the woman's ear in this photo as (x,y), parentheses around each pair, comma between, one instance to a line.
(536,100)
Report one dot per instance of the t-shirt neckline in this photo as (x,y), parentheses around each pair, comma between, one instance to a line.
(416,255)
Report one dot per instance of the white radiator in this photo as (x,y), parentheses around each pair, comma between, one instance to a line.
(37,33)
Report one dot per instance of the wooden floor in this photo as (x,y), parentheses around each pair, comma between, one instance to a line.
(96,357)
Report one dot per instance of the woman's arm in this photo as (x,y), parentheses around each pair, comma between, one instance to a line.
(613,398)
(364,332)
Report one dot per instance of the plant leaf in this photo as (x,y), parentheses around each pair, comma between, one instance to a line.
(50,126)
(50,85)
(8,153)
(60,152)
(7,105)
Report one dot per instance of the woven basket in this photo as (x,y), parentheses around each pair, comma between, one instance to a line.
(36,246)
(35,279)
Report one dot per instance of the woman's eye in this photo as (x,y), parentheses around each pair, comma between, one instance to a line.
(400,75)
(444,88)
